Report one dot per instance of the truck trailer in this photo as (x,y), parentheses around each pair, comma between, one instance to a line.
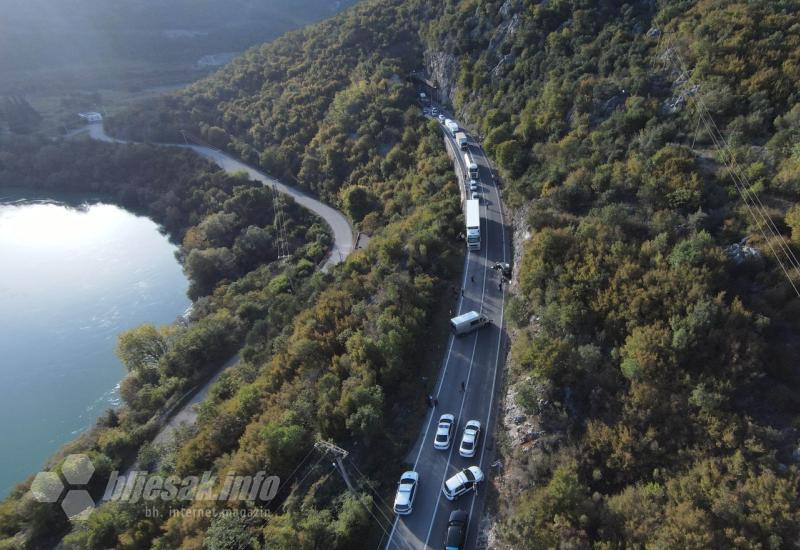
(472,167)
(473,218)
(461,139)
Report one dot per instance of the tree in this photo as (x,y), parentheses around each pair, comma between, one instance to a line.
(142,347)
(792,219)
(358,202)
(228,532)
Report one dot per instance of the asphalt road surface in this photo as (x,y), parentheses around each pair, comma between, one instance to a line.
(475,360)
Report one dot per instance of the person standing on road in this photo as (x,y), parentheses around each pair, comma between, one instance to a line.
(463,386)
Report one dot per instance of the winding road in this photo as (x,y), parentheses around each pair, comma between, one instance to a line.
(343,245)
(473,359)
(343,236)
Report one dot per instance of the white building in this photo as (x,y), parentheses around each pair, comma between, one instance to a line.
(91,117)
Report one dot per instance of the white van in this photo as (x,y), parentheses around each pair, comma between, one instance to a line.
(468,322)
(463,482)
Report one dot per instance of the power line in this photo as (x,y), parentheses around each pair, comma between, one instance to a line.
(740,180)
(365,481)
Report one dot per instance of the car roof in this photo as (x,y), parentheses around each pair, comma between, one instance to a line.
(476,473)
(458,515)
(409,475)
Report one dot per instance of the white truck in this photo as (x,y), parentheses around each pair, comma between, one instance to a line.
(461,139)
(473,218)
(472,167)
(466,323)
(451,126)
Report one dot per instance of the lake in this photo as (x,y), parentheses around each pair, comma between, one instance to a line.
(73,275)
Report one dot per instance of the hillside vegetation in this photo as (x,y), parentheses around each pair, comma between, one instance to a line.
(657,361)
(659,365)
(347,128)
(241,290)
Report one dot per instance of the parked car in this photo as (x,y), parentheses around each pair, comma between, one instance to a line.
(444,432)
(463,482)
(456,530)
(406,491)
(469,439)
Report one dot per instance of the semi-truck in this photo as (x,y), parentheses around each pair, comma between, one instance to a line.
(473,218)
(461,139)
(451,126)
(472,167)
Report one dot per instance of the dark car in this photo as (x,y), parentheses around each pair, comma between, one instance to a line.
(456,530)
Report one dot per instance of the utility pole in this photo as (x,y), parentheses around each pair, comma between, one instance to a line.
(339,454)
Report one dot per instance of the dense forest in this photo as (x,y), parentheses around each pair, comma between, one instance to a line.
(655,335)
(653,331)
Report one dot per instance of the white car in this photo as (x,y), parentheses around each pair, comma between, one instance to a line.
(444,432)
(473,185)
(463,482)
(476,196)
(406,491)
(442,118)
(469,439)
(434,111)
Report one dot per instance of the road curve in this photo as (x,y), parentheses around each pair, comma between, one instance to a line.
(343,245)
(473,360)
(343,236)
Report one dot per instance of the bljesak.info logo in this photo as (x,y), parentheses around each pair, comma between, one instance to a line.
(69,488)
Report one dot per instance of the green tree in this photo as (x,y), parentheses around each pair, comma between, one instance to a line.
(142,347)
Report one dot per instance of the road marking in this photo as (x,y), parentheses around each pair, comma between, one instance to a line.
(485,256)
(439,384)
(499,344)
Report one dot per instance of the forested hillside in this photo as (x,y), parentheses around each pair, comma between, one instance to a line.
(330,109)
(654,354)
(652,349)
(654,335)
(242,291)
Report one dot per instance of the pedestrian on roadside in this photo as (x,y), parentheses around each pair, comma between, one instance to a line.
(463,386)
(435,402)
(472,278)
(462,292)
(428,401)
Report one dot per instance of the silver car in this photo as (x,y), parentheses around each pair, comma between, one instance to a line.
(469,439)
(444,432)
(406,491)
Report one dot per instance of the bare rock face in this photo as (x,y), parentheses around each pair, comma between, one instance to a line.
(442,68)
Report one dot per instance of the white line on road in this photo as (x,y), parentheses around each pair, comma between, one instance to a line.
(499,344)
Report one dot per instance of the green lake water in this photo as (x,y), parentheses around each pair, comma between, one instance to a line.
(72,276)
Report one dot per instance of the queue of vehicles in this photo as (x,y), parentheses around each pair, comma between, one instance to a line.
(467,479)
(463,482)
